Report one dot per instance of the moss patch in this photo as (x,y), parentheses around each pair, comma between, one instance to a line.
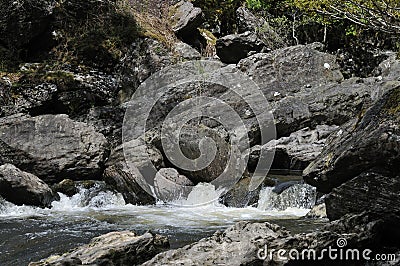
(392,105)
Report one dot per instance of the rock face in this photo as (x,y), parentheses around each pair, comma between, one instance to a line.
(20,188)
(115,248)
(53,147)
(232,48)
(368,144)
(118,175)
(298,150)
(245,243)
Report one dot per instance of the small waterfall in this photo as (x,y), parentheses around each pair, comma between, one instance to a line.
(202,194)
(297,196)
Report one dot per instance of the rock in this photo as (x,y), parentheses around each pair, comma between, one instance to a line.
(369,143)
(247,21)
(115,248)
(232,48)
(53,147)
(317,212)
(389,69)
(186,52)
(169,185)
(144,58)
(368,191)
(298,150)
(20,188)
(189,143)
(246,243)
(185,19)
(125,181)
(66,187)
(25,24)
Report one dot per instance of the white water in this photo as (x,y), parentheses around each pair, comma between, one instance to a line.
(198,209)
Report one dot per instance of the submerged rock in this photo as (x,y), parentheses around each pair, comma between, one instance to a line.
(53,147)
(115,248)
(20,188)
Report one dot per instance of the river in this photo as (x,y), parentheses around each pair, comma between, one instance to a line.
(29,233)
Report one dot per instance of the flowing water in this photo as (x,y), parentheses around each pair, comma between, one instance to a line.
(29,233)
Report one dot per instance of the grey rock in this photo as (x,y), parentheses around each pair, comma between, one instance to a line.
(169,185)
(368,191)
(298,150)
(247,21)
(370,142)
(20,188)
(67,187)
(124,180)
(115,248)
(232,48)
(185,18)
(317,212)
(244,243)
(186,51)
(53,147)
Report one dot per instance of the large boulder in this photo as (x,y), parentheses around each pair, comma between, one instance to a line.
(232,48)
(247,243)
(53,147)
(297,151)
(124,180)
(115,248)
(368,143)
(19,187)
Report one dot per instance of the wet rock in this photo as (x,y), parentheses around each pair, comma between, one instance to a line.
(169,185)
(232,48)
(189,143)
(317,212)
(298,150)
(389,69)
(66,187)
(369,143)
(369,191)
(20,188)
(53,147)
(245,243)
(185,19)
(124,180)
(115,248)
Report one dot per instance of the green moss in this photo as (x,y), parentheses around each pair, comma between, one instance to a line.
(392,105)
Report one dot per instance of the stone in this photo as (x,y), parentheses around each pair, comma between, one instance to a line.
(67,187)
(365,144)
(186,52)
(185,18)
(317,212)
(20,188)
(169,185)
(245,243)
(232,48)
(53,147)
(124,180)
(115,248)
(298,150)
